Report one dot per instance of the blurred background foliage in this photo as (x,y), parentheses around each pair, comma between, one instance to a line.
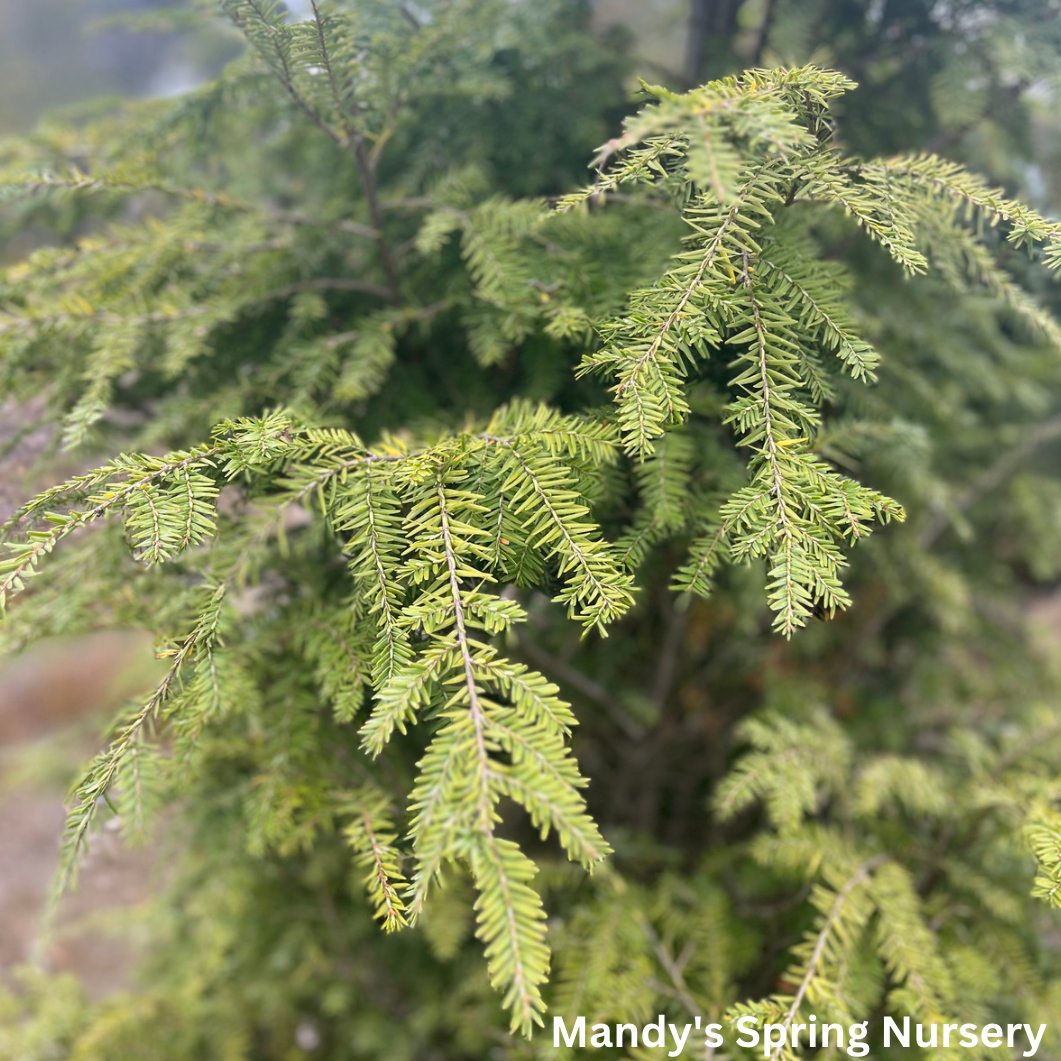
(968,77)
(974,81)
(65,53)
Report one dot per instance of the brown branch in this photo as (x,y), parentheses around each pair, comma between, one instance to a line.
(287,79)
(355,142)
(349,139)
(375,212)
(327,283)
(354,228)
(669,653)
(585,686)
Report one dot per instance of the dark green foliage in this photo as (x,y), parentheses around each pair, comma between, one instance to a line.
(467,475)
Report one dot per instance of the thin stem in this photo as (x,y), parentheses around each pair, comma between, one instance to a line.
(355,142)
(859,877)
(580,683)
(710,252)
(992,477)
(475,709)
(478,718)
(777,479)
(673,969)
(325,283)
(286,79)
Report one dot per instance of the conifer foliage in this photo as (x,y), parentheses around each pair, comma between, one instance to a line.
(358,386)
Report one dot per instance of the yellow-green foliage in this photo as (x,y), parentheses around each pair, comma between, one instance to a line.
(450,469)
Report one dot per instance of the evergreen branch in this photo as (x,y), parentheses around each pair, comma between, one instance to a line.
(777,480)
(743,786)
(856,354)
(513,928)
(548,790)
(281,66)
(856,880)
(432,809)
(391,906)
(953,181)
(77,181)
(332,472)
(371,835)
(355,142)
(404,694)
(93,787)
(391,636)
(787,613)
(349,139)
(143,474)
(326,58)
(639,166)
(892,231)
(582,839)
(604,592)
(958,253)
(692,577)
(484,804)
(630,369)
(534,695)
(583,685)
(673,969)
(510,917)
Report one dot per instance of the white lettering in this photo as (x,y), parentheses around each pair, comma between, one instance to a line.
(1033,1039)
(602,1037)
(856,1035)
(658,1030)
(742,1026)
(991,1035)
(769,1046)
(679,1044)
(891,1027)
(935,1032)
(839,1034)
(560,1028)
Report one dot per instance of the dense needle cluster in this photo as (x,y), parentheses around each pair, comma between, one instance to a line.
(376,379)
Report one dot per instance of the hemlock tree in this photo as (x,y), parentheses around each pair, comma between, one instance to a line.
(427,457)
